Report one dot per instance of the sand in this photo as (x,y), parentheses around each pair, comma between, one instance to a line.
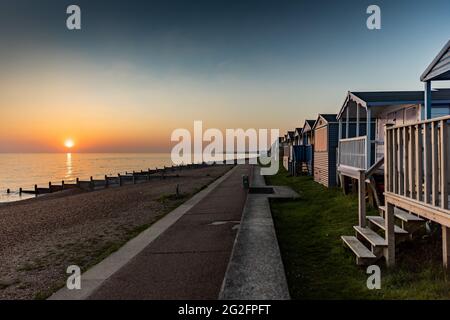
(41,237)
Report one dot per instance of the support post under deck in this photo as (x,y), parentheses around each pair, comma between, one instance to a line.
(446,246)
(362,199)
(390,235)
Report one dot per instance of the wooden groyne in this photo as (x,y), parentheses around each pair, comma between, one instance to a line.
(132,177)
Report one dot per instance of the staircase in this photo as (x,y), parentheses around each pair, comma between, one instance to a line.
(368,244)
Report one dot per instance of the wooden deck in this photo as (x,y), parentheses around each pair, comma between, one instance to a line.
(433,213)
(416,170)
(416,182)
(417,175)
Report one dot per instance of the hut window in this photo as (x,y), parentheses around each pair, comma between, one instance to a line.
(320,137)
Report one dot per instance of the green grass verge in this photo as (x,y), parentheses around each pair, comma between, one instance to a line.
(319,267)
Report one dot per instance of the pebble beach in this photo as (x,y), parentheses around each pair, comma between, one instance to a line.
(41,237)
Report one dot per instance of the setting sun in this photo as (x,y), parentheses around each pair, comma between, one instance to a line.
(69,143)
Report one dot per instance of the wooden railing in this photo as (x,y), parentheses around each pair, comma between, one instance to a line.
(353,152)
(417,161)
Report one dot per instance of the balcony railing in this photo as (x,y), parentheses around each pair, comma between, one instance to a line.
(353,152)
(417,161)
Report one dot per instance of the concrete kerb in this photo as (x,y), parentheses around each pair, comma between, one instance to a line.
(256,270)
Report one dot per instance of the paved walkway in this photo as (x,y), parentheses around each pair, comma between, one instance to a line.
(190,258)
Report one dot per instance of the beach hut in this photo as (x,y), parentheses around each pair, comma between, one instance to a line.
(284,154)
(303,151)
(361,155)
(296,152)
(290,143)
(281,147)
(416,173)
(307,132)
(297,136)
(370,112)
(325,133)
(287,142)
(438,70)
(290,137)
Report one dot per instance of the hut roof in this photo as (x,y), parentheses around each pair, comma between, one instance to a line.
(329,118)
(307,126)
(392,98)
(310,122)
(439,68)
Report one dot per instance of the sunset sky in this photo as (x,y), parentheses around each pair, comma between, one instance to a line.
(139,69)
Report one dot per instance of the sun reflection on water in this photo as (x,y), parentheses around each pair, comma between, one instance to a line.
(69,166)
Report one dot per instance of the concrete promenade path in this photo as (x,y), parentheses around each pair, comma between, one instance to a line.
(190,258)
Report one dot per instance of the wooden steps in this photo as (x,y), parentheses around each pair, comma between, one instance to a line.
(408,221)
(407,217)
(369,246)
(382,210)
(371,236)
(403,215)
(380,223)
(363,255)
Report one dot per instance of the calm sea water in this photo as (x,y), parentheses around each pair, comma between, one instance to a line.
(26,170)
